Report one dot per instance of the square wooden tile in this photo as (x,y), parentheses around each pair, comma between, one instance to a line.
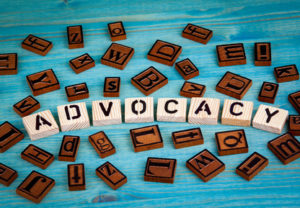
(116,31)
(204,111)
(26,106)
(8,64)
(237,113)
(9,136)
(139,110)
(268,92)
(37,45)
(73,116)
(286,73)
(75,37)
(294,125)
(262,54)
(171,109)
(191,89)
(231,54)
(82,63)
(197,33)
(77,92)
(294,99)
(40,125)
(270,119)
(146,138)
(7,175)
(187,69)
(187,138)
(107,112)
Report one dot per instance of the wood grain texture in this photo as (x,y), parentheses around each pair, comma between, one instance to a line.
(231,21)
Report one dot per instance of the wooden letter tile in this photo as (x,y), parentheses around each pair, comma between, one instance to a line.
(237,113)
(294,125)
(190,89)
(112,87)
(76,177)
(75,37)
(37,45)
(268,92)
(204,111)
(146,138)
(77,92)
(262,53)
(186,69)
(197,33)
(164,52)
(171,109)
(102,144)
(116,31)
(270,119)
(294,99)
(111,175)
(205,165)
(117,56)
(231,54)
(35,187)
(40,125)
(187,138)
(9,136)
(26,106)
(8,64)
(69,148)
(7,175)
(231,142)
(37,156)
(160,170)
(139,110)
(82,63)
(286,147)
(73,116)
(149,81)
(234,85)
(42,82)
(106,112)
(252,166)
(286,73)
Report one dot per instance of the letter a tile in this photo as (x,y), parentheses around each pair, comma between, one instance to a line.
(40,125)
(270,119)
(73,116)
(139,110)
(204,111)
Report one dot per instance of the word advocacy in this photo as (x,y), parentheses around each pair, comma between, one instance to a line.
(202,110)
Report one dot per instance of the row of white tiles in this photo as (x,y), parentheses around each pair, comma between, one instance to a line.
(141,110)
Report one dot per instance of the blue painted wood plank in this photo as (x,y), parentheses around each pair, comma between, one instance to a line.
(232,21)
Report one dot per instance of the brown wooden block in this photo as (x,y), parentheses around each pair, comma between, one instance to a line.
(187,138)
(75,37)
(37,156)
(268,92)
(82,63)
(252,166)
(77,92)
(76,177)
(160,170)
(112,87)
(149,81)
(111,175)
(186,69)
(117,56)
(286,73)
(294,125)
(35,187)
(7,175)
(42,82)
(231,142)
(205,165)
(146,138)
(9,136)
(69,148)
(37,45)
(294,99)
(164,52)
(8,64)
(262,53)
(26,106)
(234,85)
(286,147)
(102,144)
(191,89)
(197,33)
(231,54)
(116,31)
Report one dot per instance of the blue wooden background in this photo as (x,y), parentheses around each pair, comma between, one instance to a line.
(245,21)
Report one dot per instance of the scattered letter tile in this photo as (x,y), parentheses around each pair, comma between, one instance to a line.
(9,136)
(116,31)
(69,148)
(76,177)
(102,144)
(7,175)
(268,92)
(112,87)
(82,63)
(37,45)
(8,64)
(294,99)
(37,156)
(262,53)
(294,125)
(197,33)
(190,89)
(187,138)
(75,37)
(231,54)
(186,69)
(77,92)
(286,73)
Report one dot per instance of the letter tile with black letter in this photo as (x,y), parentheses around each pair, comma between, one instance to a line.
(107,112)
(171,109)
(231,54)
(139,110)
